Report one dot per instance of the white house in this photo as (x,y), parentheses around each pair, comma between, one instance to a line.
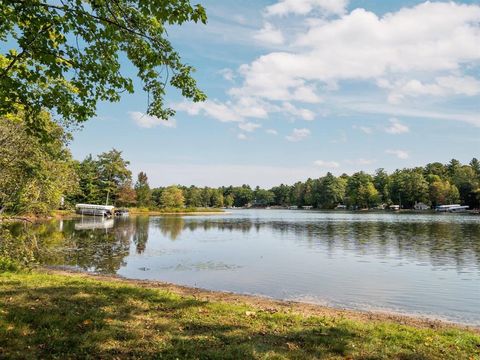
(420,206)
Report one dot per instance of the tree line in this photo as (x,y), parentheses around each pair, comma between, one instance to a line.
(39,174)
(108,176)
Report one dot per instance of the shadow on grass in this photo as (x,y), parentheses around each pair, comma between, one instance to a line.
(91,320)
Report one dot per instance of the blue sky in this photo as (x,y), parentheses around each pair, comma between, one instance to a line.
(300,87)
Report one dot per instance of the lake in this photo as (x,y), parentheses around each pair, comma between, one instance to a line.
(422,264)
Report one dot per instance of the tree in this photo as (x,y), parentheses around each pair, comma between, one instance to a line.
(331,191)
(381,181)
(308,196)
(408,186)
(34,175)
(361,192)
(88,175)
(282,194)
(126,195)
(65,56)
(142,190)
(156,197)
(263,197)
(217,199)
(441,192)
(436,168)
(467,182)
(206,196)
(172,197)
(229,200)
(475,165)
(452,167)
(243,195)
(113,173)
(193,197)
(296,192)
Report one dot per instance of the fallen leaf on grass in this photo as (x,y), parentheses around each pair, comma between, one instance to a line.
(292,346)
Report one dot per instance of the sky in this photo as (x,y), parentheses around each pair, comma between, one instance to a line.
(298,88)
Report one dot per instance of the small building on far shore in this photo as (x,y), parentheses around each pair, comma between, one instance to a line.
(420,206)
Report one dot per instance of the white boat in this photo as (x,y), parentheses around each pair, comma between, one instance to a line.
(458,209)
(452,208)
(92,224)
(122,212)
(94,210)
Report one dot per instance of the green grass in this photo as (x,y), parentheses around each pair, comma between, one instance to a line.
(45,316)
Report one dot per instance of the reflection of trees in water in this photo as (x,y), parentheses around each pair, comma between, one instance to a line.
(140,236)
(171,226)
(100,250)
(436,243)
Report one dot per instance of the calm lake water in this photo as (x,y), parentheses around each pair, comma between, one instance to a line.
(427,264)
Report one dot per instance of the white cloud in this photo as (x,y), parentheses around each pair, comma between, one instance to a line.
(271,132)
(303,7)
(305,114)
(365,161)
(242,136)
(147,121)
(249,127)
(428,37)
(227,74)
(401,154)
(298,135)
(251,107)
(269,35)
(441,86)
(214,109)
(365,129)
(396,127)
(433,38)
(381,108)
(460,85)
(327,164)
(436,40)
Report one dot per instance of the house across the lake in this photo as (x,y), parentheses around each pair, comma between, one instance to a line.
(420,206)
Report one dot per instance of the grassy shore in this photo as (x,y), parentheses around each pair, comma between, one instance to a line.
(51,315)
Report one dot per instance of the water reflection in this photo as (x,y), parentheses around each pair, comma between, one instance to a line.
(418,263)
(92,223)
(140,233)
(103,246)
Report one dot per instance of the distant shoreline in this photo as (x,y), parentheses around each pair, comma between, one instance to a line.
(70,214)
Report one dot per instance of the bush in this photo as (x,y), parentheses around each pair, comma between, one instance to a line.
(16,252)
(8,265)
